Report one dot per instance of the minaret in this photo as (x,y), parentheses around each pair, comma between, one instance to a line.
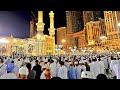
(51,29)
(40,24)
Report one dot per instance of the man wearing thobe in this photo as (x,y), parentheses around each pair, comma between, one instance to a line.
(43,72)
(15,60)
(58,67)
(102,66)
(78,70)
(8,61)
(16,69)
(116,69)
(72,73)
(41,63)
(95,68)
(63,72)
(18,63)
(66,63)
(33,63)
(52,69)
(9,74)
(82,66)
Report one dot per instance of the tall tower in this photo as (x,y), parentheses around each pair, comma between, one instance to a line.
(40,24)
(74,21)
(112,18)
(88,16)
(52,31)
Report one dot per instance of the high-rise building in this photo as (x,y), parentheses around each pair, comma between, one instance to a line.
(92,16)
(103,28)
(74,20)
(88,16)
(97,15)
(93,34)
(112,19)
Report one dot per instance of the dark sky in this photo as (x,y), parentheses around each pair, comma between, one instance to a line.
(17,23)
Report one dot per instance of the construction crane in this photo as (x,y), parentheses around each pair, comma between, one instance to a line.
(34,16)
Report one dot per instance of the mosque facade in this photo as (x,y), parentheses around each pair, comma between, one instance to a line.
(39,44)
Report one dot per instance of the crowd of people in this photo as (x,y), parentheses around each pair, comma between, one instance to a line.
(90,66)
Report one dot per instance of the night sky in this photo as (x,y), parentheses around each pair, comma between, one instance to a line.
(17,23)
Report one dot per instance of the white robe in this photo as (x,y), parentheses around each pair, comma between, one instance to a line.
(95,68)
(53,69)
(42,75)
(32,64)
(63,72)
(3,70)
(67,64)
(41,64)
(106,62)
(15,70)
(18,64)
(9,76)
(83,67)
(15,60)
(117,70)
(57,68)
(102,67)
(78,69)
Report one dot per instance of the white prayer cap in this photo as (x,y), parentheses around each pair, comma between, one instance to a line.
(75,62)
(23,70)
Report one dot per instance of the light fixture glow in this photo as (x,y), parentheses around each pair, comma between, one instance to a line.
(4,41)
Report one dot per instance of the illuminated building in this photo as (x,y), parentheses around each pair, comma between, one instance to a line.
(112,19)
(74,21)
(88,16)
(61,34)
(38,45)
(93,34)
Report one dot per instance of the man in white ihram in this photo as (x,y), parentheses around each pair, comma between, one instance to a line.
(53,69)
(63,72)
(78,68)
